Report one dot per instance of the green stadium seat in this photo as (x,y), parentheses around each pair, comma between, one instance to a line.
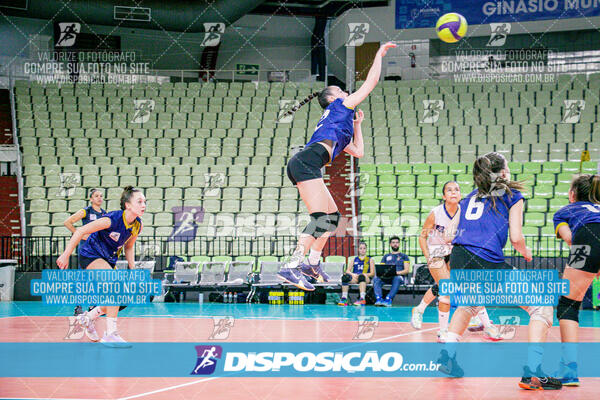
(367,168)
(385,169)
(543,192)
(403,169)
(389,206)
(535,219)
(420,169)
(537,205)
(425,180)
(551,167)
(562,190)
(406,192)
(515,167)
(531,168)
(425,193)
(387,193)
(387,180)
(571,167)
(369,206)
(439,169)
(557,203)
(545,179)
(456,168)
(406,180)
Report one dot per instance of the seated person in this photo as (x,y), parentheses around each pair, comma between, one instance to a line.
(361,271)
(402,269)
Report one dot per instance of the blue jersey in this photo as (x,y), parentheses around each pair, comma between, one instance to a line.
(482,230)
(361,266)
(397,259)
(576,215)
(337,125)
(107,243)
(91,215)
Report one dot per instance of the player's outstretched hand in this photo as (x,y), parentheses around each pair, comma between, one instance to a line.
(62,262)
(385,47)
(359,116)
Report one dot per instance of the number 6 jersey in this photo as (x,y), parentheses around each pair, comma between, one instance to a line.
(482,229)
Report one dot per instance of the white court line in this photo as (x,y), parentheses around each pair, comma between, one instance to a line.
(402,334)
(168,388)
(46,398)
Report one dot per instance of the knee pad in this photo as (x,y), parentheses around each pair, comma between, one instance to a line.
(542,313)
(444,299)
(568,309)
(435,289)
(318,225)
(346,278)
(362,278)
(472,310)
(334,221)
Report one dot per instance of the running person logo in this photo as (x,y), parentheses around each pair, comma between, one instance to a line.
(68,182)
(284,107)
(207,359)
(573,110)
(222,328)
(75,330)
(143,108)
(361,180)
(213,182)
(68,33)
(186,223)
(357,34)
(508,326)
(578,255)
(366,327)
(432,111)
(212,33)
(499,34)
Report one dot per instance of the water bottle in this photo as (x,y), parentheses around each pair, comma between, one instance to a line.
(235,295)
(201,298)
(230,298)
(225,297)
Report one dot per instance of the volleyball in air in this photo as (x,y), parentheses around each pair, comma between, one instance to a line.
(451,27)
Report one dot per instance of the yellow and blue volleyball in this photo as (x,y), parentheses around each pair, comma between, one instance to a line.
(451,27)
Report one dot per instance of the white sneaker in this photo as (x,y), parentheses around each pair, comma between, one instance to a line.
(416,320)
(442,335)
(492,333)
(475,325)
(114,340)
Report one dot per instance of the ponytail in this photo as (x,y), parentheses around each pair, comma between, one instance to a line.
(586,187)
(303,102)
(128,191)
(486,176)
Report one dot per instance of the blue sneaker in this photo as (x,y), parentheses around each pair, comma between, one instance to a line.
(295,277)
(314,271)
(379,302)
(387,302)
(567,374)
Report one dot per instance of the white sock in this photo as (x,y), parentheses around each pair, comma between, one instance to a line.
(443,319)
(95,312)
(111,325)
(483,316)
(362,295)
(314,257)
(422,306)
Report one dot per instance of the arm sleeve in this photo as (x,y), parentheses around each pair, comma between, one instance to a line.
(516,196)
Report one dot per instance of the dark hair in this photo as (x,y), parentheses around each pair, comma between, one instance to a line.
(486,176)
(362,242)
(322,98)
(446,184)
(586,188)
(128,191)
(394,238)
(92,191)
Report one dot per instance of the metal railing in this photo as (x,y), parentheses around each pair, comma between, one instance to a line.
(37,253)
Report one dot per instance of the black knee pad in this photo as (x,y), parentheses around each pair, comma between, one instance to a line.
(318,225)
(362,278)
(121,308)
(346,278)
(334,221)
(568,309)
(435,289)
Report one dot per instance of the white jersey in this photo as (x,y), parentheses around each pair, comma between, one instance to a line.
(439,239)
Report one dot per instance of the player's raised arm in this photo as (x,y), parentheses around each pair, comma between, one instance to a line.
(357,147)
(372,78)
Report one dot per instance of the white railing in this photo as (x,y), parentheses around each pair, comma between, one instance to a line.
(13,112)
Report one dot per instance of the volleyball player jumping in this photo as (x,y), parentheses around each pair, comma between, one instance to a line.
(335,132)
(108,235)
(578,224)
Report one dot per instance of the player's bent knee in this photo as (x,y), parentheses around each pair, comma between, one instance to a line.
(568,309)
(435,289)
(346,279)
(541,313)
(318,225)
(362,278)
(334,221)
(472,310)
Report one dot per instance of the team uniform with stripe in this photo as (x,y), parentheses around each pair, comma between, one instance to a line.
(91,215)
(583,218)
(361,266)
